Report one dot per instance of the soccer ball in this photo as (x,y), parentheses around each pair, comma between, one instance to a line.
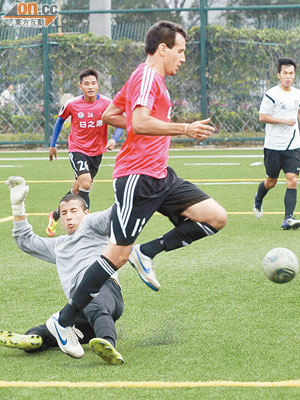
(280,265)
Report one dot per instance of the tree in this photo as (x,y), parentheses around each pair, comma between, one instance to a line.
(5,5)
(283,18)
(148,17)
(75,22)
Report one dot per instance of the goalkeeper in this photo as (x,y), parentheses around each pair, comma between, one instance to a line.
(72,253)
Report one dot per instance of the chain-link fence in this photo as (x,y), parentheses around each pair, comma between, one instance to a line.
(228,69)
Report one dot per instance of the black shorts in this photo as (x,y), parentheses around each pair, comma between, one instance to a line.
(137,197)
(83,164)
(285,160)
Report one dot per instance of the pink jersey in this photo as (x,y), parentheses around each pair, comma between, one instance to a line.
(144,154)
(88,134)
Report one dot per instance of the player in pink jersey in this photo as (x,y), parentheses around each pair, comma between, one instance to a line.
(87,140)
(143,182)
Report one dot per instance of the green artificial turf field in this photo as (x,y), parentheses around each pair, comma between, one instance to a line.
(217,329)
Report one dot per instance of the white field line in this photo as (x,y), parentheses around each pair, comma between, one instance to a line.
(186,149)
(10,218)
(215,164)
(196,181)
(231,183)
(105,157)
(147,384)
(10,166)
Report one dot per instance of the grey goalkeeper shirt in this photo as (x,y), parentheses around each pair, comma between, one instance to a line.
(72,254)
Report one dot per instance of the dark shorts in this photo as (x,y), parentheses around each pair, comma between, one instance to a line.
(83,164)
(137,197)
(285,160)
(96,320)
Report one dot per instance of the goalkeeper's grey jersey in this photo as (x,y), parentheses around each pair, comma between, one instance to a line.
(72,254)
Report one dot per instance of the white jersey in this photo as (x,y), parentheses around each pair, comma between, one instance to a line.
(6,98)
(72,254)
(281,104)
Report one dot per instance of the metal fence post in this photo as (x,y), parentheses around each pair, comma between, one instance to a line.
(203,60)
(46,86)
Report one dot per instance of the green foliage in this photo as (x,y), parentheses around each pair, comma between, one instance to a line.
(241,66)
(147,18)
(282,18)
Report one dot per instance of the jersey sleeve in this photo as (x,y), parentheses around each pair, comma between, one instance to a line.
(267,104)
(119,99)
(65,111)
(30,243)
(56,131)
(117,134)
(100,222)
(143,89)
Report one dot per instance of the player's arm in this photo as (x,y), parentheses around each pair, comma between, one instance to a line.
(114,116)
(21,111)
(111,143)
(268,119)
(18,192)
(144,124)
(56,131)
(27,241)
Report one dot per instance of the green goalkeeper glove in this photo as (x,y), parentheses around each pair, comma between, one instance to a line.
(18,192)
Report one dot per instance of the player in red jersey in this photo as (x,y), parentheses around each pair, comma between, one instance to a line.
(87,140)
(143,182)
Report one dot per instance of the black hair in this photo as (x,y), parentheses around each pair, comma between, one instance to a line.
(70,197)
(285,61)
(162,32)
(88,72)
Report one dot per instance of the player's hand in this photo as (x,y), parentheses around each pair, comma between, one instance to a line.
(290,122)
(18,192)
(52,153)
(199,130)
(111,144)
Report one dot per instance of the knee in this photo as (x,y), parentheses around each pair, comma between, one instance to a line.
(270,183)
(85,182)
(292,183)
(85,185)
(118,255)
(220,219)
(122,259)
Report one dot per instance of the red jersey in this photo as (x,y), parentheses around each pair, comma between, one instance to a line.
(88,134)
(144,154)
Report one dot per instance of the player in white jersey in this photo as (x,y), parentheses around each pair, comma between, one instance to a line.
(280,111)
(72,253)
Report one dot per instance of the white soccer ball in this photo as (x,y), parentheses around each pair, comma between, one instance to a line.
(280,265)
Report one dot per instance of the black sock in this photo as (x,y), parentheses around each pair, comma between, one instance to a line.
(95,276)
(182,235)
(290,200)
(261,192)
(150,249)
(68,315)
(56,213)
(85,194)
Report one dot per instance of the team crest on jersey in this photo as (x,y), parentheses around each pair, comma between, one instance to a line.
(282,106)
(80,115)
